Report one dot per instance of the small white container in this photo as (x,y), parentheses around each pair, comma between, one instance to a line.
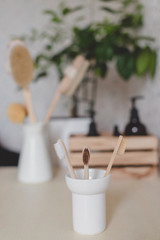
(88,201)
(34,163)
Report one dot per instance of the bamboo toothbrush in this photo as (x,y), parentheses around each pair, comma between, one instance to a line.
(86,157)
(22,69)
(62,154)
(73,77)
(119,149)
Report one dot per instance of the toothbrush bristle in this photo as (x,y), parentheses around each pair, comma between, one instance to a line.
(59,150)
(86,155)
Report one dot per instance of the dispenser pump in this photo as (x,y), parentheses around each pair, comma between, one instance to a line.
(134,116)
(135,127)
(92,126)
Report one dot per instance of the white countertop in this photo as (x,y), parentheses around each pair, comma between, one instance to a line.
(43,211)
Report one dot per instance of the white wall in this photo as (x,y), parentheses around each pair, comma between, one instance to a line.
(18,17)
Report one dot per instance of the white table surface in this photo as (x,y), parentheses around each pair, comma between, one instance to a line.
(43,211)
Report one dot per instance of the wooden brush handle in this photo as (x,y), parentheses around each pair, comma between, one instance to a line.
(29,105)
(113,155)
(52,106)
(70,168)
(86,172)
(63,86)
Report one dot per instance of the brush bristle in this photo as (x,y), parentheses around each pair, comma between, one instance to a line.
(122,147)
(59,150)
(78,79)
(10,46)
(86,155)
(21,65)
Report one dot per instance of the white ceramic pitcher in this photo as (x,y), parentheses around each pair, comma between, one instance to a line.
(35,162)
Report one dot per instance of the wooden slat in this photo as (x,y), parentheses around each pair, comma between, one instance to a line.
(104,143)
(129,158)
(134,172)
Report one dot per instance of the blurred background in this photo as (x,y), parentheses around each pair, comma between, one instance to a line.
(19,17)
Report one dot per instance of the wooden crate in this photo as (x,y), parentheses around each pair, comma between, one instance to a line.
(141,150)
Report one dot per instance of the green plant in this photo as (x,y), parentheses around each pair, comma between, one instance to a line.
(103,41)
(114,38)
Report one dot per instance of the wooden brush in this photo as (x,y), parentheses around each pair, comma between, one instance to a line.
(86,157)
(16,112)
(72,79)
(11,44)
(119,149)
(22,69)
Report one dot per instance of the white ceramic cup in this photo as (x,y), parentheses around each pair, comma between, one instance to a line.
(88,201)
(34,163)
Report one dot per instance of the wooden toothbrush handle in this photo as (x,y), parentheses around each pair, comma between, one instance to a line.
(69,165)
(113,156)
(29,105)
(86,172)
(70,168)
(52,106)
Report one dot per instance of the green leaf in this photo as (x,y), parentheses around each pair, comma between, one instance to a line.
(146,38)
(132,20)
(110,10)
(39,58)
(101,69)
(100,53)
(49,12)
(125,65)
(128,2)
(40,75)
(139,7)
(48,47)
(142,61)
(107,0)
(109,53)
(120,51)
(85,40)
(104,51)
(56,19)
(110,28)
(66,10)
(152,63)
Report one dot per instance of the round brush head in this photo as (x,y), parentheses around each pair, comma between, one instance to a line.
(21,65)
(16,112)
(10,45)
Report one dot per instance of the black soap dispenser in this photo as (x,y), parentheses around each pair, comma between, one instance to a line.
(116,132)
(135,127)
(92,126)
